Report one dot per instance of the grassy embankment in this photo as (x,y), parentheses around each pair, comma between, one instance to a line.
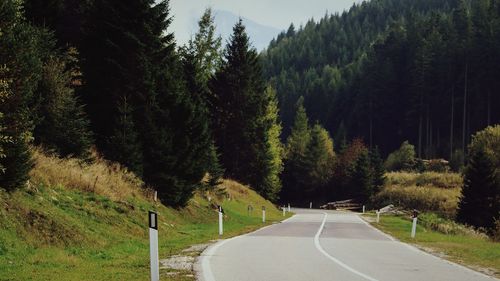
(90,223)
(467,248)
(436,195)
(430,191)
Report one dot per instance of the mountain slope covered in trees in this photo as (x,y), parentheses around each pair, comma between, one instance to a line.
(388,71)
(109,75)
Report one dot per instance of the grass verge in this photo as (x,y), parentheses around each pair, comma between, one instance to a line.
(69,226)
(474,251)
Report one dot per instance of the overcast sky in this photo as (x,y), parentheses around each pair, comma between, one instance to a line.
(274,13)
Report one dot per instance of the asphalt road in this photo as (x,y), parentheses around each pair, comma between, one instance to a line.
(317,245)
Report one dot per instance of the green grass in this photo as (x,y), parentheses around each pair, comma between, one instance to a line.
(475,251)
(57,233)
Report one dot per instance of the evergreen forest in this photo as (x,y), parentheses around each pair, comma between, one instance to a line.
(319,115)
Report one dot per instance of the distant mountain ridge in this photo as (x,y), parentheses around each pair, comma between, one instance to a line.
(260,35)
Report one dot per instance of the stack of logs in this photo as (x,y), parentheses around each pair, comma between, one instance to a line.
(342,205)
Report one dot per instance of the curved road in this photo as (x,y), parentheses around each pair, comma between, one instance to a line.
(316,245)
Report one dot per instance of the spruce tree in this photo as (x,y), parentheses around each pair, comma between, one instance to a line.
(320,159)
(240,103)
(197,88)
(4,94)
(64,127)
(295,163)
(481,189)
(23,49)
(377,170)
(478,206)
(272,165)
(201,58)
(345,167)
(361,181)
(124,141)
(117,47)
(176,141)
(205,48)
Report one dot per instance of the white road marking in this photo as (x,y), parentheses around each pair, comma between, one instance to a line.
(318,246)
(415,249)
(205,260)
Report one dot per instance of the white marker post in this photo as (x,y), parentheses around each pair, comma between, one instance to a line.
(288,207)
(284,210)
(221,227)
(153,246)
(414,227)
(310,205)
(363,209)
(263,214)
(378,216)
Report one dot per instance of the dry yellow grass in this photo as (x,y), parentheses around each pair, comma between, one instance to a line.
(423,198)
(426,192)
(433,179)
(101,177)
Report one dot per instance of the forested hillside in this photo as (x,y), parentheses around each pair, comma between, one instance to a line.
(318,111)
(388,71)
(109,76)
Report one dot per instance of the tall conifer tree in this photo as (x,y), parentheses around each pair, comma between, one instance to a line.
(240,103)
(295,163)
(201,58)
(23,48)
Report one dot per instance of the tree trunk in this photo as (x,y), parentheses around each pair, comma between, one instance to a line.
(452,120)
(464,121)
(371,124)
(488,105)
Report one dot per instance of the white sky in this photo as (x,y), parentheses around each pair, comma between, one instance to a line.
(274,13)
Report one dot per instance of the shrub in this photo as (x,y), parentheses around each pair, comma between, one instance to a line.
(446,226)
(496,231)
(479,205)
(401,159)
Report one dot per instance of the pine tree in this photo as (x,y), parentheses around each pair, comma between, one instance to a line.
(64,127)
(202,57)
(206,49)
(176,139)
(295,163)
(273,151)
(24,56)
(124,142)
(481,190)
(198,89)
(478,206)
(240,103)
(377,170)
(117,47)
(4,94)
(320,159)
(342,187)
(361,181)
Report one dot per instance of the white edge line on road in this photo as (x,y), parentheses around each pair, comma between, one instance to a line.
(318,246)
(204,269)
(415,249)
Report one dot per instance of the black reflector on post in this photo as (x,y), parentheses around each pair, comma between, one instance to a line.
(153,220)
